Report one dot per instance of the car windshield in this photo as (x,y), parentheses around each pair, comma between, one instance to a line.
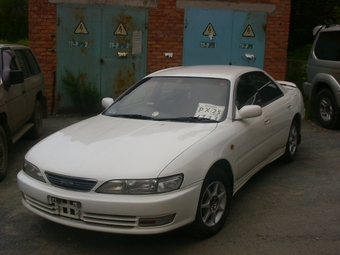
(182,99)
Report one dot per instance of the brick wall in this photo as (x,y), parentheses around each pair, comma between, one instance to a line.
(42,31)
(165,34)
(164,25)
(277,34)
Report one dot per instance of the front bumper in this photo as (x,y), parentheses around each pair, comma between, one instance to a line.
(307,89)
(107,212)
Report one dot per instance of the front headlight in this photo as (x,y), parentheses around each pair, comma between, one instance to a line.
(142,186)
(33,171)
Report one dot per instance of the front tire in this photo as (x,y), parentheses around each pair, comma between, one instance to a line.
(214,204)
(327,109)
(3,154)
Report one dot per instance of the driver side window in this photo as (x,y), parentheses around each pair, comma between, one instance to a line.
(9,60)
(266,87)
(256,88)
(9,64)
(246,93)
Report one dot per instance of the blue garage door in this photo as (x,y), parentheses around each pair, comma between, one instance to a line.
(103,45)
(207,34)
(228,37)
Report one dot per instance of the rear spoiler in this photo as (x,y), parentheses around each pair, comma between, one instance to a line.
(287,84)
(318,28)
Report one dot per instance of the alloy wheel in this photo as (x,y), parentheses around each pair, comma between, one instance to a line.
(293,139)
(326,109)
(213,204)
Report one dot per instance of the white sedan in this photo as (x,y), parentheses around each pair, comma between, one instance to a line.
(171,151)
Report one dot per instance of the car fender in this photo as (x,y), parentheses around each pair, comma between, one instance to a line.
(197,160)
(323,78)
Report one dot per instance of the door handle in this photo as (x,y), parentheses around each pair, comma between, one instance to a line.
(122,54)
(266,122)
(289,107)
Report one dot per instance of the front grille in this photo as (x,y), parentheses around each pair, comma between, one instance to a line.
(48,208)
(73,210)
(111,220)
(70,183)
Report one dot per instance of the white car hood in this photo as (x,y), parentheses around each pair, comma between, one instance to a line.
(112,148)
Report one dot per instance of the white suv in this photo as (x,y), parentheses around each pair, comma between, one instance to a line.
(323,75)
(22,98)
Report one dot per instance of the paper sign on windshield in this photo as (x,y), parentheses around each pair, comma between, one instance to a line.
(209,111)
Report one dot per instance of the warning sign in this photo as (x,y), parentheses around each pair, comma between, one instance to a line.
(81,29)
(120,30)
(249,32)
(209,31)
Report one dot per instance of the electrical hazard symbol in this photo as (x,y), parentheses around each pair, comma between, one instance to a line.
(249,32)
(209,31)
(120,30)
(81,29)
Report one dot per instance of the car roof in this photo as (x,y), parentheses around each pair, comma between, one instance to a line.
(326,28)
(229,72)
(13,46)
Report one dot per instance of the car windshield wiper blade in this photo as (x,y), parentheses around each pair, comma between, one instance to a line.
(180,119)
(133,116)
(190,119)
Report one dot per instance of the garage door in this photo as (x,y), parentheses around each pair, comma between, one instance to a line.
(229,37)
(104,46)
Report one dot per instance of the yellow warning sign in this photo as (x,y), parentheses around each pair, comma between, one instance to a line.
(120,30)
(209,31)
(81,28)
(249,32)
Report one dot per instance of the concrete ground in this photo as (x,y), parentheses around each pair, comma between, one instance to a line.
(284,209)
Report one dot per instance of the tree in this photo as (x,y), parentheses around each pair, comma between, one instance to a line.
(307,14)
(13,20)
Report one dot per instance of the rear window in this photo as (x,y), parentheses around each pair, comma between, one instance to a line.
(328,46)
(27,62)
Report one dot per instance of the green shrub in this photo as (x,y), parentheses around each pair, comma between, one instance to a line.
(84,96)
(21,42)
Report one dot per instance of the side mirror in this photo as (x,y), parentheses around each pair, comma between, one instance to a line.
(6,78)
(10,76)
(250,111)
(16,76)
(107,101)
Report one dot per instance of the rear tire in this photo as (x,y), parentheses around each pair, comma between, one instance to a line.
(37,119)
(292,143)
(327,109)
(214,204)
(3,154)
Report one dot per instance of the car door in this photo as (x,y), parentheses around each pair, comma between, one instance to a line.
(33,77)
(254,134)
(14,94)
(281,111)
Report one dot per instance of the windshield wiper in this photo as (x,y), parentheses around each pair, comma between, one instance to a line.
(180,119)
(190,119)
(133,116)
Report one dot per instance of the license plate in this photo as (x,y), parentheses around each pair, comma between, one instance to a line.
(67,208)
